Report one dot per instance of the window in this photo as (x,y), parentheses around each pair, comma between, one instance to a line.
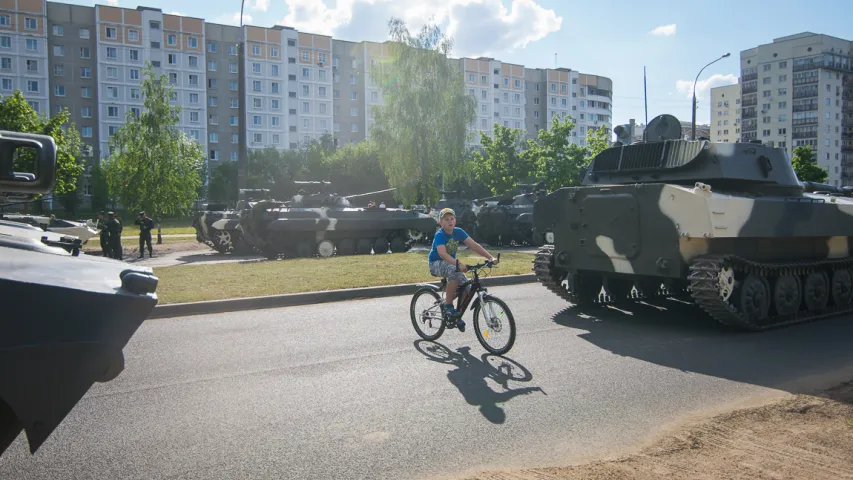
(30,23)
(85,53)
(59,90)
(133,55)
(112,92)
(133,35)
(112,72)
(58,50)
(193,117)
(194,80)
(59,70)
(211,66)
(86,132)
(256,50)
(111,33)
(32,45)
(112,112)
(86,112)
(112,52)
(193,60)
(86,92)
(193,42)
(171,40)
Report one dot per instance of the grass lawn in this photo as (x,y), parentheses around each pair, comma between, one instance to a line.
(94,243)
(190,283)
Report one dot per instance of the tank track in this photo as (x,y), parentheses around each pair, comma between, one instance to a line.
(542,268)
(705,289)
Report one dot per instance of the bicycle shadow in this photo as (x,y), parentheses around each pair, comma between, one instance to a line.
(471,374)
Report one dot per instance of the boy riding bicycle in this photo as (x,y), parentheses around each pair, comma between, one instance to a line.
(442,259)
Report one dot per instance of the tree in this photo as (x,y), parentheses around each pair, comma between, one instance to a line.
(557,161)
(100,188)
(18,116)
(806,167)
(501,167)
(597,140)
(223,183)
(422,127)
(355,169)
(155,166)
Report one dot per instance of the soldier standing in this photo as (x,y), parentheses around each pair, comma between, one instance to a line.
(105,235)
(115,228)
(145,227)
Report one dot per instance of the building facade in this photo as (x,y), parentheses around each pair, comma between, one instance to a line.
(797,91)
(725,114)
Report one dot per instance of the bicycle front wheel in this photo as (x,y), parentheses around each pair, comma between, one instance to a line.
(425,311)
(496,329)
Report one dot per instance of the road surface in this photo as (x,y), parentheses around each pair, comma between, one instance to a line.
(345,390)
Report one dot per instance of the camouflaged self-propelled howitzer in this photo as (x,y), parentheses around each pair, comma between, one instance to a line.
(727,225)
(326,224)
(64,318)
(218,227)
(462,206)
(509,220)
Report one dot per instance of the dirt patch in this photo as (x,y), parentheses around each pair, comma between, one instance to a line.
(184,245)
(801,437)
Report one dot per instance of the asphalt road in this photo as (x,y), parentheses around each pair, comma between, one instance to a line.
(346,391)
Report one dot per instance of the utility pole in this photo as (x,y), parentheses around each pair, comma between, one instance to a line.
(242,160)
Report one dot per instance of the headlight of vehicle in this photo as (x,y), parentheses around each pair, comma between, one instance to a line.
(549,237)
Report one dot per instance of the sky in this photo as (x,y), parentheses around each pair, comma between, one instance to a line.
(616,39)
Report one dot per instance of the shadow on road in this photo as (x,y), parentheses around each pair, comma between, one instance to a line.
(471,373)
(804,358)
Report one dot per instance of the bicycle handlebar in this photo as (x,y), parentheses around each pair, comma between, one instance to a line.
(487,263)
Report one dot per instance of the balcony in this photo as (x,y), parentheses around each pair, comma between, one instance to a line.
(599,91)
(804,121)
(807,93)
(753,101)
(747,90)
(808,66)
(805,108)
(806,80)
(748,77)
(798,136)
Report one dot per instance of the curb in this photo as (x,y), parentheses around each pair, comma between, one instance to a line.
(310,298)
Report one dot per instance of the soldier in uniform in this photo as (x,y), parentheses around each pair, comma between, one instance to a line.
(145,227)
(105,235)
(114,227)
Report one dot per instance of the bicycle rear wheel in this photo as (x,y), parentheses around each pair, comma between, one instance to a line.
(425,311)
(497,323)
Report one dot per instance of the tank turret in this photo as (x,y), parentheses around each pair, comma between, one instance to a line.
(726,226)
(508,218)
(65,317)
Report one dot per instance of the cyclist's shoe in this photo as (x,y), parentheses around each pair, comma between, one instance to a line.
(460,324)
(452,316)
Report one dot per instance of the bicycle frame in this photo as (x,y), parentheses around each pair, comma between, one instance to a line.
(463,301)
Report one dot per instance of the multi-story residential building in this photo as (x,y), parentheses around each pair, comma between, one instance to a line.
(563,92)
(24,52)
(499,90)
(348,91)
(314,88)
(73,86)
(126,40)
(375,55)
(267,94)
(221,43)
(725,113)
(796,91)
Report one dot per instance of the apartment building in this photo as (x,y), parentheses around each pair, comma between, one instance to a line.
(797,91)
(564,92)
(221,44)
(725,113)
(24,51)
(268,99)
(499,90)
(314,90)
(375,55)
(348,91)
(71,62)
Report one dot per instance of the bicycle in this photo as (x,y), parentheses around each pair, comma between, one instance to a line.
(470,293)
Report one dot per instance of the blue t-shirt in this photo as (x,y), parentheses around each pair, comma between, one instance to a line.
(451,242)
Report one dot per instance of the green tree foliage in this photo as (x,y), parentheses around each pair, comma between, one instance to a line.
(355,169)
(500,167)
(100,188)
(18,116)
(597,140)
(422,127)
(557,162)
(223,184)
(155,166)
(806,167)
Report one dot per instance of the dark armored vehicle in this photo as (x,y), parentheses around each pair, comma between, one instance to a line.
(217,226)
(727,225)
(325,223)
(65,317)
(463,207)
(508,219)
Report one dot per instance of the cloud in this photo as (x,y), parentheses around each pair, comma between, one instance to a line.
(664,30)
(113,3)
(478,27)
(233,19)
(703,87)
(176,13)
(261,5)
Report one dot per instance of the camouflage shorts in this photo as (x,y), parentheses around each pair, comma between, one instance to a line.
(447,270)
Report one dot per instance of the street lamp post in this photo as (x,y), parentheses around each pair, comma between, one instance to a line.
(241,107)
(693,128)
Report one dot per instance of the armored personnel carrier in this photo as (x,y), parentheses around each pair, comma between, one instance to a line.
(218,227)
(508,219)
(727,225)
(65,318)
(326,223)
